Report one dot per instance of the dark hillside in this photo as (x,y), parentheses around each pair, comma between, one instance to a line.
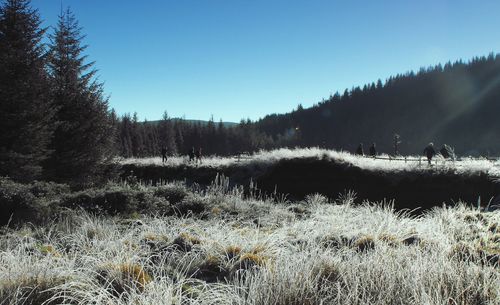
(457,104)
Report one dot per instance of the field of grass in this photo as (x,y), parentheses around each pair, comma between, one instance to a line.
(219,246)
(266,158)
(413,184)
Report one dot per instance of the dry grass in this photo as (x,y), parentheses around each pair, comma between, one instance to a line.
(339,254)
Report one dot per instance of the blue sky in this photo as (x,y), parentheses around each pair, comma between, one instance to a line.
(237,59)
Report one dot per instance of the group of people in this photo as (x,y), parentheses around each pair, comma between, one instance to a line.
(195,155)
(446,151)
(372,152)
(192,154)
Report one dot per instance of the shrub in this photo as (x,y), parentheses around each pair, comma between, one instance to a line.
(174,193)
(21,203)
(192,204)
(116,200)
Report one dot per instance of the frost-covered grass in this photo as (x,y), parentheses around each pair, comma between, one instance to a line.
(250,251)
(463,166)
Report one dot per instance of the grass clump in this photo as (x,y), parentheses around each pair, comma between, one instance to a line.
(327,274)
(123,278)
(232,252)
(389,239)
(364,243)
(32,290)
(250,261)
(211,270)
(185,242)
(48,250)
(336,242)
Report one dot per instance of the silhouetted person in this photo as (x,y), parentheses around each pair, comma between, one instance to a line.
(191,155)
(198,155)
(373,150)
(359,150)
(446,151)
(429,152)
(163,154)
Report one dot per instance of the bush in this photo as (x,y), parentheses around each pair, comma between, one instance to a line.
(116,200)
(192,204)
(174,193)
(36,202)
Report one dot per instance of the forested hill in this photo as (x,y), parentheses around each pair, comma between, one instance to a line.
(457,104)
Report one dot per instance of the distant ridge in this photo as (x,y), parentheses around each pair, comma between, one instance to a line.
(201,122)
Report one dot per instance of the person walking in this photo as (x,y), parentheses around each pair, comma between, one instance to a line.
(429,152)
(447,152)
(373,150)
(198,155)
(359,150)
(163,154)
(191,154)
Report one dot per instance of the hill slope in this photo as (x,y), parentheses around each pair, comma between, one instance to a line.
(456,104)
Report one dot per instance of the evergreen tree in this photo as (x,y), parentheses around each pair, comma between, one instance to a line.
(83,138)
(26,112)
(167,134)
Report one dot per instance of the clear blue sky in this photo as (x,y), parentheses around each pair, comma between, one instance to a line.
(237,59)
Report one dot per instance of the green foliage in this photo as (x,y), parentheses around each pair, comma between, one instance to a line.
(455,104)
(174,193)
(83,138)
(26,110)
(192,204)
(116,199)
(36,202)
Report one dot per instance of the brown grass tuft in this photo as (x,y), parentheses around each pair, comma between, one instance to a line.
(364,243)
(124,278)
(232,252)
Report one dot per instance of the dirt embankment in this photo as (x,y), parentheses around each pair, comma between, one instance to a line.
(302,176)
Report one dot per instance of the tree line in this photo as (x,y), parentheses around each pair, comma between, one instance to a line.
(455,103)
(145,139)
(54,116)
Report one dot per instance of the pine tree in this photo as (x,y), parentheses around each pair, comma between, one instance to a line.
(26,112)
(167,134)
(83,138)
